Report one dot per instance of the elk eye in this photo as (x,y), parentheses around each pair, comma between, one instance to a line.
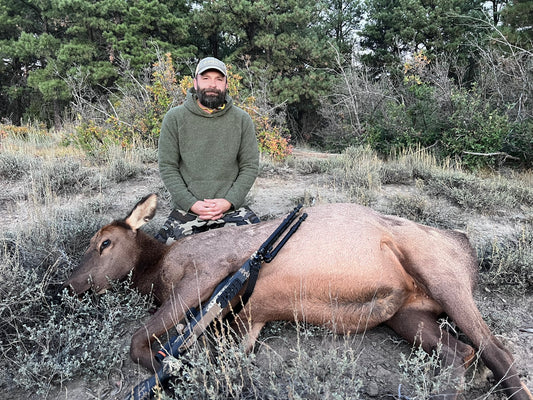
(104,244)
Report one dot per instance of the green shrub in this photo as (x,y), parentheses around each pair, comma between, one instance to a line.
(427,108)
(424,374)
(219,369)
(317,373)
(48,339)
(313,166)
(224,370)
(87,136)
(474,127)
(14,166)
(396,173)
(519,143)
(135,114)
(74,338)
(420,209)
(393,129)
(473,193)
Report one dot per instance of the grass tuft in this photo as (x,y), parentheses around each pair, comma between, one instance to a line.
(359,171)
(507,263)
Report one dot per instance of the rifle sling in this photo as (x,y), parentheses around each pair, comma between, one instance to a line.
(255,265)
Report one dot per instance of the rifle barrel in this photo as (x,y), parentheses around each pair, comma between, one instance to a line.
(144,390)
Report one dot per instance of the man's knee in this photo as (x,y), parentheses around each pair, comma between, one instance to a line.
(178,224)
(241,216)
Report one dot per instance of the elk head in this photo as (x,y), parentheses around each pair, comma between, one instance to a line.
(113,251)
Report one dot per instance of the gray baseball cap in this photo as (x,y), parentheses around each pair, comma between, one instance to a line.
(210,63)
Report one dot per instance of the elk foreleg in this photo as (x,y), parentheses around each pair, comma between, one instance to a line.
(163,321)
(248,329)
(252,335)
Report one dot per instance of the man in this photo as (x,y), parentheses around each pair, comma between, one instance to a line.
(208,157)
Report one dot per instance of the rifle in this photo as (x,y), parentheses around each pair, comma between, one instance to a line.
(224,293)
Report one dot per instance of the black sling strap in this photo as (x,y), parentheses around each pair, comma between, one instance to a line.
(267,257)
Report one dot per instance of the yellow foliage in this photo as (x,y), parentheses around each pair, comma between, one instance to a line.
(414,70)
(164,92)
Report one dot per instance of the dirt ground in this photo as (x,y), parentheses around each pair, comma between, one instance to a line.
(275,193)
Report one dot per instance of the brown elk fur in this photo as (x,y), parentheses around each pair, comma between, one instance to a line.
(347,267)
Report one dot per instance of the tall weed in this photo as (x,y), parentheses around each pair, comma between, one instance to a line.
(359,170)
(123,164)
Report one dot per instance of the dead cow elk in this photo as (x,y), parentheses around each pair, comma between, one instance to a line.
(347,267)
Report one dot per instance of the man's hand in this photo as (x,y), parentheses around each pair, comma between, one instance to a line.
(210,209)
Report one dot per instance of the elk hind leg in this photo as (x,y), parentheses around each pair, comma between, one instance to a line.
(420,327)
(463,311)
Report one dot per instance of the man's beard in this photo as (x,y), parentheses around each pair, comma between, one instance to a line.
(211,101)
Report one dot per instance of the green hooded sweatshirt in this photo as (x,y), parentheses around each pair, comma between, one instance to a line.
(207,156)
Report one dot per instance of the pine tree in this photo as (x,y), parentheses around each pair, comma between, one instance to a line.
(46,42)
(282,42)
(399,27)
(518,21)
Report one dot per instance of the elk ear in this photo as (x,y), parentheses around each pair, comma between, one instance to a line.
(143,212)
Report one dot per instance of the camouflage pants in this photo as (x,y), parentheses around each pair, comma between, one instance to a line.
(181,223)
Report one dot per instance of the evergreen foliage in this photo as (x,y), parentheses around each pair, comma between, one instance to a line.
(517,19)
(398,28)
(65,60)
